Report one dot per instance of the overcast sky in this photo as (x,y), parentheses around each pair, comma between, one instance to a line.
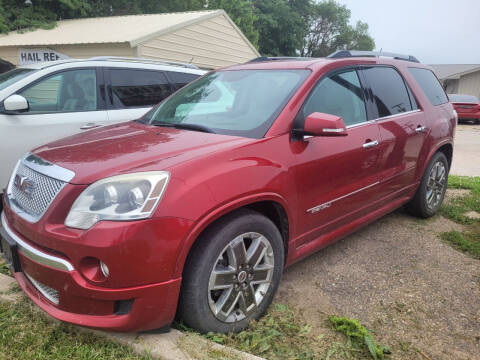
(435,31)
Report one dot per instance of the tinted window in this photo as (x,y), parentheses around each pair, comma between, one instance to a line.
(339,94)
(179,79)
(13,76)
(389,92)
(430,85)
(67,91)
(137,88)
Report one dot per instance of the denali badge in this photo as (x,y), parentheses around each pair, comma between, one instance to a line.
(24,184)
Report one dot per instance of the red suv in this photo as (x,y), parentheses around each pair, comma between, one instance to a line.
(196,208)
(466,106)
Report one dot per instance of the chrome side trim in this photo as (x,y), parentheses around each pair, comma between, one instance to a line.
(34,254)
(47,168)
(360,124)
(383,118)
(397,115)
(327,204)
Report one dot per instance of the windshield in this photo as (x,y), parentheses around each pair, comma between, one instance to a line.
(240,102)
(12,76)
(463,98)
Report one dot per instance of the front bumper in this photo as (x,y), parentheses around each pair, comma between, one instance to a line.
(55,283)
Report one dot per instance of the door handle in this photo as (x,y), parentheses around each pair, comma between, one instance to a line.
(420,129)
(89,126)
(370,144)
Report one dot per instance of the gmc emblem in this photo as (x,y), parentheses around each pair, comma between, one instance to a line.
(25,185)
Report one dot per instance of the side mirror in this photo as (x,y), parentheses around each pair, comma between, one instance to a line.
(321,124)
(15,103)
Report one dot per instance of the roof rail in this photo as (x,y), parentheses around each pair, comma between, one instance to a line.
(143,60)
(279,58)
(359,53)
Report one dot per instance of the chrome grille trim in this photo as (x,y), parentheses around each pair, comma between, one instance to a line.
(46,181)
(50,293)
(35,254)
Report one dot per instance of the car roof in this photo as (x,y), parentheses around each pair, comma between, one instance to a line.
(316,63)
(116,61)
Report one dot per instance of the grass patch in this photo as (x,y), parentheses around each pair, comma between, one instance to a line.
(359,336)
(277,335)
(27,334)
(467,241)
(4,269)
(280,334)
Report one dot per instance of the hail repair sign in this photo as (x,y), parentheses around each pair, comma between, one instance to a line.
(30,56)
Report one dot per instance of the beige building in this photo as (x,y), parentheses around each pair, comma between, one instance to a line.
(208,39)
(459,78)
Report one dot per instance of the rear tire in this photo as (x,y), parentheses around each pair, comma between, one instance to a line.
(432,188)
(232,273)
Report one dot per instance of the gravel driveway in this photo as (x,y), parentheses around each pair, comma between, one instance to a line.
(401,281)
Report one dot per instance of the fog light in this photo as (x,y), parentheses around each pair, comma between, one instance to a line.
(104,269)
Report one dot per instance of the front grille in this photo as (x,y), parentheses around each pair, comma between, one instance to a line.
(50,293)
(40,195)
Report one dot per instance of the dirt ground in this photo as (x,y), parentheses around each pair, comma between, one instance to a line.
(401,281)
(466,155)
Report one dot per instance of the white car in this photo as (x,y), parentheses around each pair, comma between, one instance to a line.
(43,102)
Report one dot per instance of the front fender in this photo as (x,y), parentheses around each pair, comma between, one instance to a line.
(220,211)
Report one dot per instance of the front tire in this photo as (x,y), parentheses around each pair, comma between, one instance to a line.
(432,188)
(232,273)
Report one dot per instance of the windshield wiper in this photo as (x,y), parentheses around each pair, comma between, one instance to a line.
(186,126)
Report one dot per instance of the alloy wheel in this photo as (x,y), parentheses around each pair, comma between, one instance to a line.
(241,277)
(436,183)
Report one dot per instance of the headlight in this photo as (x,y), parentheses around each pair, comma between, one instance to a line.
(123,197)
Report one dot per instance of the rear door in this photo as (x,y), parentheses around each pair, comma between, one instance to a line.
(402,126)
(336,177)
(132,92)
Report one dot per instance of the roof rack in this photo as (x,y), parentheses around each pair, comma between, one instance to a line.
(359,53)
(280,58)
(145,61)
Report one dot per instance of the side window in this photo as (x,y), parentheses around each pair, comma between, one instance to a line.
(179,79)
(339,94)
(67,91)
(430,85)
(389,92)
(412,99)
(137,88)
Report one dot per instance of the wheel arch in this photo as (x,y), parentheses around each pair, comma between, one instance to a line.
(273,206)
(445,147)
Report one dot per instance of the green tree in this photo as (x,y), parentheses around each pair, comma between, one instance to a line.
(281,28)
(329,30)
(17,15)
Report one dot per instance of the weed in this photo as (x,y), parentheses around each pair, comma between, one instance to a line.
(4,269)
(358,335)
(468,242)
(277,335)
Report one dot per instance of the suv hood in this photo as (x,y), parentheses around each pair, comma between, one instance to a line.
(130,147)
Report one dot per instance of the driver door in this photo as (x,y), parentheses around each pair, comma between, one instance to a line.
(337,178)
